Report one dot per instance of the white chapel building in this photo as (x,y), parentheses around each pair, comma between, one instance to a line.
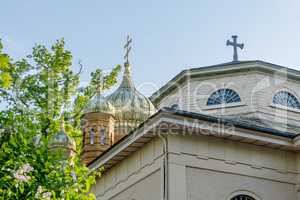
(222,132)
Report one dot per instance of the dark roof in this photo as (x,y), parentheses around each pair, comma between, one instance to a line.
(209,118)
(245,62)
(224,66)
(225,121)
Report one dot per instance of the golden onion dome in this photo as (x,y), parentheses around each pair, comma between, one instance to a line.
(62,142)
(130,105)
(99,104)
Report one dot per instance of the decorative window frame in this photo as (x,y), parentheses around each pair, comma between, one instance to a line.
(282,107)
(92,135)
(243,192)
(103,140)
(224,105)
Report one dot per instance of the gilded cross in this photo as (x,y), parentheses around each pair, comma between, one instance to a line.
(235,46)
(127,48)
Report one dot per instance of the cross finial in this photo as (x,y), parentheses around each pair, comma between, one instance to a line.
(127,48)
(235,46)
(99,85)
(62,124)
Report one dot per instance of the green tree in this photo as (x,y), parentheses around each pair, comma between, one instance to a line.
(5,78)
(38,91)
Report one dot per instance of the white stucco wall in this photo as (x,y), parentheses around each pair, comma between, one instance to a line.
(138,176)
(205,184)
(212,169)
(148,188)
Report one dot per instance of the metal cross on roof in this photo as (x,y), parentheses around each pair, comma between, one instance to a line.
(127,48)
(235,46)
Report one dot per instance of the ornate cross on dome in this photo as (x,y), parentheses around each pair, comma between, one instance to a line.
(235,45)
(62,124)
(127,48)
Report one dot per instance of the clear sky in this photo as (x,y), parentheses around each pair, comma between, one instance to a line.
(168,35)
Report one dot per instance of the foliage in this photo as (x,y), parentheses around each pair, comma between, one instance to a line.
(5,78)
(38,91)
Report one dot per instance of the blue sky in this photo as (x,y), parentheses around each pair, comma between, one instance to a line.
(169,36)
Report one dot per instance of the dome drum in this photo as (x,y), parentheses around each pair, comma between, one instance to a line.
(62,143)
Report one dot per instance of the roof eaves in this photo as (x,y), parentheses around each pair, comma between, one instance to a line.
(199,116)
(237,124)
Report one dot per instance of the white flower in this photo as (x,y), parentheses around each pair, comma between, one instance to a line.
(46,195)
(21,173)
(38,192)
(40,189)
(27,168)
(21,177)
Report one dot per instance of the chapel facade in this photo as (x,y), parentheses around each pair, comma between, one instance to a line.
(222,132)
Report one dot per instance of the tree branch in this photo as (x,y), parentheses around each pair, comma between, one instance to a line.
(80,69)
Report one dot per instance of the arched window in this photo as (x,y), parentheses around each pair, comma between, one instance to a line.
(242,197)
(102,136)
(92,136)
(286,99)
(223,96)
